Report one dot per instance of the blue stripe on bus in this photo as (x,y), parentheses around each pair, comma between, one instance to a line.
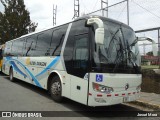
(49,66)
(11,60)
(33,78)
(15,67)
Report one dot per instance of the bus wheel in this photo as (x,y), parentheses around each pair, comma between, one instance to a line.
(56,89)
(11,78)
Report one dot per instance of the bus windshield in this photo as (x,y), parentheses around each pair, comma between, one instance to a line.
(117,54)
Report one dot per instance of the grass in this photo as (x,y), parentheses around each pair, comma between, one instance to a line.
(150,66)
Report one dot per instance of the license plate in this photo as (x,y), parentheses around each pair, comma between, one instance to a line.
(125,99)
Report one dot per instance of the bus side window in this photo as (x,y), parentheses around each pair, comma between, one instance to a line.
(15,48)
(19,46)
(7,50)
(57,40)
(29,49)
(81,53)
(43,43)
(75,58)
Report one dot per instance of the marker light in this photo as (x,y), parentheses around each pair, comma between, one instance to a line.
(102,88)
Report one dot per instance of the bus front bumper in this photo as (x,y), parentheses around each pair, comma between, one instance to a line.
(112,99)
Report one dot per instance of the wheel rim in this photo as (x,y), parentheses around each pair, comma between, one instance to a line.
(56,88)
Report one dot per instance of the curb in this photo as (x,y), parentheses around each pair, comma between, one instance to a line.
(146,105)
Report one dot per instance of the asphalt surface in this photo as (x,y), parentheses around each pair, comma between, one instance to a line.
(21,96)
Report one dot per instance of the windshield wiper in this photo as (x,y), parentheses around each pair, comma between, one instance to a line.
(111,41)
(58,45)
(29,48)
(120,57)
(123,59)
(120,53)
(134,64)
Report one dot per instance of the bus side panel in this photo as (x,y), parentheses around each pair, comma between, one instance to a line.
(48,66)
(6,66)
(34,70)
(79,89)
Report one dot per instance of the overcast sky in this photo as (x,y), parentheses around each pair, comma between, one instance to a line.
(143,13)
(41,11)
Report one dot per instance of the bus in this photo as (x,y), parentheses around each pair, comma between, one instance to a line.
(1,56)
(92,60)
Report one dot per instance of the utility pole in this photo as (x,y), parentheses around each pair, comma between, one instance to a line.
(159,40)
(128,12)
(104,8)
(54,14)
(144,49)
(76,9)
(159,47)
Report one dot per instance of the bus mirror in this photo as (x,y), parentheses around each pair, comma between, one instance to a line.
(99,32)
(154,47)
(97,21)
(99,36)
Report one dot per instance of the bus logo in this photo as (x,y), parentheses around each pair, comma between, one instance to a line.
(99,78)
(127,86)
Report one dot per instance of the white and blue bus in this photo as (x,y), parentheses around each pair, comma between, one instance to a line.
(92,60)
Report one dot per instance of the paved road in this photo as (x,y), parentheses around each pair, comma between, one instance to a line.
(20,96)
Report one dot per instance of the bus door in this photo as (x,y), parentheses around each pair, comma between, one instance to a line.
(76,55)
(79,82)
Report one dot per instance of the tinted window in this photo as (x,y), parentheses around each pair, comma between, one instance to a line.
(30,46)
(17,48)
(8,48)
(75,49)
(13,49)
(81,53)
(43,43)
(57,40)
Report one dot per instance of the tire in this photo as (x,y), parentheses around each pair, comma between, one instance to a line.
(56,89)
(1,71)
(11,78)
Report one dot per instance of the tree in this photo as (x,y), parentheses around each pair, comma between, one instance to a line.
(15,21)
(150,53)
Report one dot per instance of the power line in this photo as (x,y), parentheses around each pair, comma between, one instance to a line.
(95,5)
(147,10)
(84,5)
(121,11)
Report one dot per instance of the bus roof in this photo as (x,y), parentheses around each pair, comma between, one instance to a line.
(80,18)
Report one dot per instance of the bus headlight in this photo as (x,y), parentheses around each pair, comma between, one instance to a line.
(102,88)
